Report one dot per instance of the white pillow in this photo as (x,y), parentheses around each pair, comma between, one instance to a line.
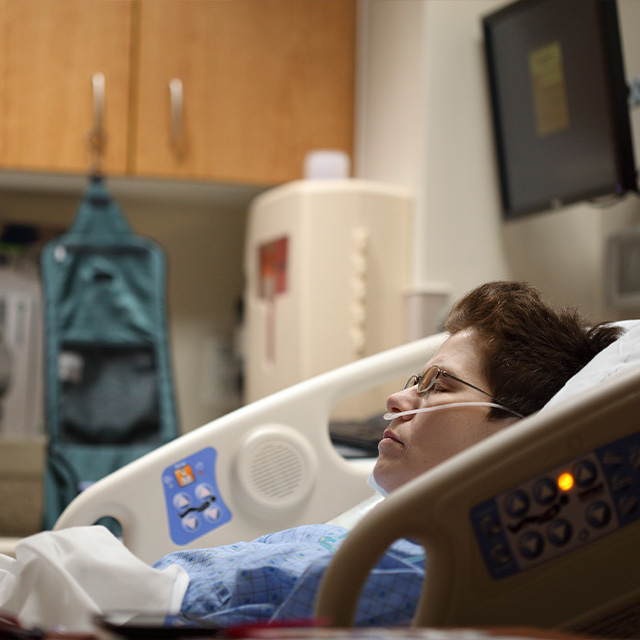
(622,355)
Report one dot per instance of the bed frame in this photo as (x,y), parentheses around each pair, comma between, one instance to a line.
(508,540)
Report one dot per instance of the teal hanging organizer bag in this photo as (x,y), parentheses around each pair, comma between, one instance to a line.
(109,389)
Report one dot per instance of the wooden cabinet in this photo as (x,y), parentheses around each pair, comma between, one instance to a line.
(263,82)
(49,51)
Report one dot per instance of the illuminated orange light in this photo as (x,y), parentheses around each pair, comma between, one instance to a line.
(565,481)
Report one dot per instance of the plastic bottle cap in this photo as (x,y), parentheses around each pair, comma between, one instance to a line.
(326,164)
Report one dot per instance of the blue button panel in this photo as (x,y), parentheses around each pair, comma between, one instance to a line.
(194,505)
(561,510)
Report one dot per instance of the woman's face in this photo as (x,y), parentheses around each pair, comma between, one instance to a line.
(414,444)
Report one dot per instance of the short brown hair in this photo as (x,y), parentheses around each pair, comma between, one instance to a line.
(530,348)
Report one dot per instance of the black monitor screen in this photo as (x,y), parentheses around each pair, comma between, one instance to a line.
(559,99)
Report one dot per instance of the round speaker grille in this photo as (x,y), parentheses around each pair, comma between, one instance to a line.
(277,470)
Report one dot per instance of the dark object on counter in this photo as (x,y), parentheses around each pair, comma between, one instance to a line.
(360,437)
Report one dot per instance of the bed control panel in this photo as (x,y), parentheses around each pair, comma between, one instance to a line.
(193,502)
(560,510)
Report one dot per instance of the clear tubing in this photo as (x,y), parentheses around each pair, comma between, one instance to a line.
(400,414)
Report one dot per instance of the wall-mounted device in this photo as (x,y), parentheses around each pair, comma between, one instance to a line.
(559,103)
(622,269)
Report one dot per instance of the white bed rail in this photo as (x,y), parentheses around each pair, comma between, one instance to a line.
(482,567)
(265,467)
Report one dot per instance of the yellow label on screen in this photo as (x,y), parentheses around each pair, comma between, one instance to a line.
(549,89)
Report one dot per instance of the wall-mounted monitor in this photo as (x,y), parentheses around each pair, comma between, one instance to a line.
(560,103)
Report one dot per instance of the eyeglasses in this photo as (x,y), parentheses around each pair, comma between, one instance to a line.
(426,381)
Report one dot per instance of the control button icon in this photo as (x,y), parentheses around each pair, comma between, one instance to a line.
(560,532)
(585,473)
(181,501)
(191,522)
(627,505)
(500,554)
(212,514)
(517,503)
(203,491)
(545,491)
(612,458)
(598,514)
(583,535)
(531,545)
(489,525)
(620,481)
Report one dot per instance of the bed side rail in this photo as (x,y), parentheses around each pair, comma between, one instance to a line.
(502,550)
(265,467)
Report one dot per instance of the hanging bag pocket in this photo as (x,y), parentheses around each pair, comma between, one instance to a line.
(109,391)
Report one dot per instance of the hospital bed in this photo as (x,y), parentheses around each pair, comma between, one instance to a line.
(536,525)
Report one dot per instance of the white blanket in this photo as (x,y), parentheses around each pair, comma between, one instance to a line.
(64,578)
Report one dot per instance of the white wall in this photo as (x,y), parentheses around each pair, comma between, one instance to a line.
(424,122)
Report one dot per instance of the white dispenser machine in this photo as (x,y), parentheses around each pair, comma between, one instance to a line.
(326,264)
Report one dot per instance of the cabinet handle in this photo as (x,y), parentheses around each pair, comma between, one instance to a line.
(176,98)
(96,135)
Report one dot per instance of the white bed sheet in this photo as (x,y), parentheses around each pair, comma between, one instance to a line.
(59,578)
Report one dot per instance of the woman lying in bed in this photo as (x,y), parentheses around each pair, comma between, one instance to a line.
(507,355)
(507,349)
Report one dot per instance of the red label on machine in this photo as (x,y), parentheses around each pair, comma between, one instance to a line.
(273,268)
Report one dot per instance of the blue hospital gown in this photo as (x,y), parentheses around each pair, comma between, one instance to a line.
(276,578)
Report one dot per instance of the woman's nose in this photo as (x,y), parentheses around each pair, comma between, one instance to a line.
(402,400)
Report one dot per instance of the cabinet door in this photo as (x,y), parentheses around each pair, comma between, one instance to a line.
(49,52)
(263,81)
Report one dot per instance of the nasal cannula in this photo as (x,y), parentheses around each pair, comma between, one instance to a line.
(400,414)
